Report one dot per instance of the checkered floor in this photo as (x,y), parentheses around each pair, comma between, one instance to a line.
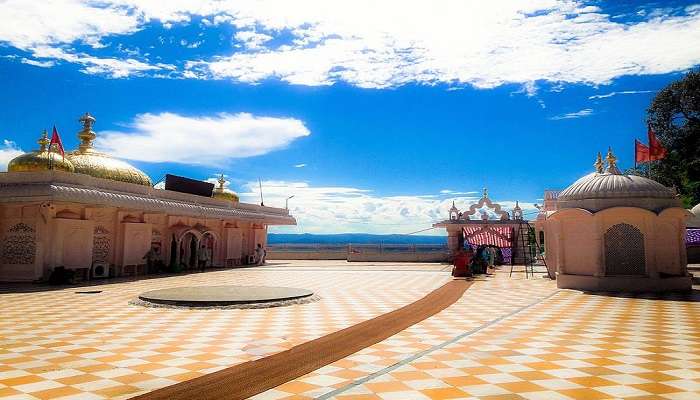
(506,338)
(92,346)
(517,339)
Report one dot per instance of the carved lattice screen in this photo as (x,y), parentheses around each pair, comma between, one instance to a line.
(624,250)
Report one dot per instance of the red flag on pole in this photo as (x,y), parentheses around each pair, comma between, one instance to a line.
(641,152)
(657,151)
(56,139)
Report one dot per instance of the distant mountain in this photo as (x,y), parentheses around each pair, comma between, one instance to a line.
(352,238)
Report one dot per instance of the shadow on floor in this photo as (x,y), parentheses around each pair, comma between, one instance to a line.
(692,296)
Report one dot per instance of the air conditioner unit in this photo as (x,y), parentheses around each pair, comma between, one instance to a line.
(100,270)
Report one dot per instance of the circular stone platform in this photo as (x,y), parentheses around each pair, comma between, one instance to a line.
(218,296)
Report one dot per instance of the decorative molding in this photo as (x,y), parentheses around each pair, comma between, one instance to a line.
(101,244)
(19,245)
(503,215)
(56,192)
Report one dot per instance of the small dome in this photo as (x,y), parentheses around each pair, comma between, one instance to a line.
(600,190)
(224,194)
(607,185)
(90,162)
(44,159)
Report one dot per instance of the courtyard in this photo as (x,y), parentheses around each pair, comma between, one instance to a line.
(504,338)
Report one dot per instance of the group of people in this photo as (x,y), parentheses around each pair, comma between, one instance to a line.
(468,262)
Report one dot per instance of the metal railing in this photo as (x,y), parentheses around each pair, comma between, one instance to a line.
(357,248)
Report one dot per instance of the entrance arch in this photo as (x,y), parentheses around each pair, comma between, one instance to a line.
(209,242)
(187,250)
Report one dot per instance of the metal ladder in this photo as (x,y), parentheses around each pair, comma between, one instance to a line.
(526,243)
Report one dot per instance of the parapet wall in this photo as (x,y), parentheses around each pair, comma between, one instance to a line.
(437,256)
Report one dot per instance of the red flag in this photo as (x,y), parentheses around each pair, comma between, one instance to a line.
(641,152)
(56,139)
(657,151)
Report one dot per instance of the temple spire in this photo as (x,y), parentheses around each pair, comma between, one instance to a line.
(612,163)
(222,182)
(43,141)
(86,135)
(598,164)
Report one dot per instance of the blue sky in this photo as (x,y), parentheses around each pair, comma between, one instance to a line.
(375,116)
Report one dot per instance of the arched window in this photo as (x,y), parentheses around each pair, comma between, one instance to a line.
(624,250)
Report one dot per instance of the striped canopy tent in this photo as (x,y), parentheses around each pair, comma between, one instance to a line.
(500,236)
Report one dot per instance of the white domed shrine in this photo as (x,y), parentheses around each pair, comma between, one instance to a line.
(617,232)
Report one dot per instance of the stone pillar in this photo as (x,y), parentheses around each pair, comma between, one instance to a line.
(453,238)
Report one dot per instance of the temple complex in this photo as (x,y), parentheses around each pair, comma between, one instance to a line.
(608,231)
(617,232)
(101,217)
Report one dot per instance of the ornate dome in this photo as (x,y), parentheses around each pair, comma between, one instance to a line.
(605,189)
(90,162)
(43,159)
(224,194)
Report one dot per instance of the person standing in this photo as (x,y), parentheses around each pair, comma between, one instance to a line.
(203,257)
(260,254)
(151,256)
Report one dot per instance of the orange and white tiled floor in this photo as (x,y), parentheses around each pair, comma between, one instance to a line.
(506,338)
(523,339)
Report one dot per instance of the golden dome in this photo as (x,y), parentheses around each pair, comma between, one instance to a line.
(224,194)
(90,162)
(44,159)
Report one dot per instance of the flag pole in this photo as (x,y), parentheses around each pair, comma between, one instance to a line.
(262,202)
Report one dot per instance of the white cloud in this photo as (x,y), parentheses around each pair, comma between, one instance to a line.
(113,67)
(299,165)
(578,114)
(334,209)
(485,44)
(42,64)
(204,140)
(26,24)
(383,44)
(8,151)
(611,94)
(252,39)
(455,192)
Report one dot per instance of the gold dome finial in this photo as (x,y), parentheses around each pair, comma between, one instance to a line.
(486,192)
(598,164)
(86,135)
(612,163)
(222,193)
(43,141)
(222,182)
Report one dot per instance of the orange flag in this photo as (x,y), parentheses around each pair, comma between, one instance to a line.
(657,151)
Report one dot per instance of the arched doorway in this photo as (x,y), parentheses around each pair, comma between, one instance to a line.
(188,251)
(624,250)
(208,245)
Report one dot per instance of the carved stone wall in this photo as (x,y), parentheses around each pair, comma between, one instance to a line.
(101,244)
(19,245)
